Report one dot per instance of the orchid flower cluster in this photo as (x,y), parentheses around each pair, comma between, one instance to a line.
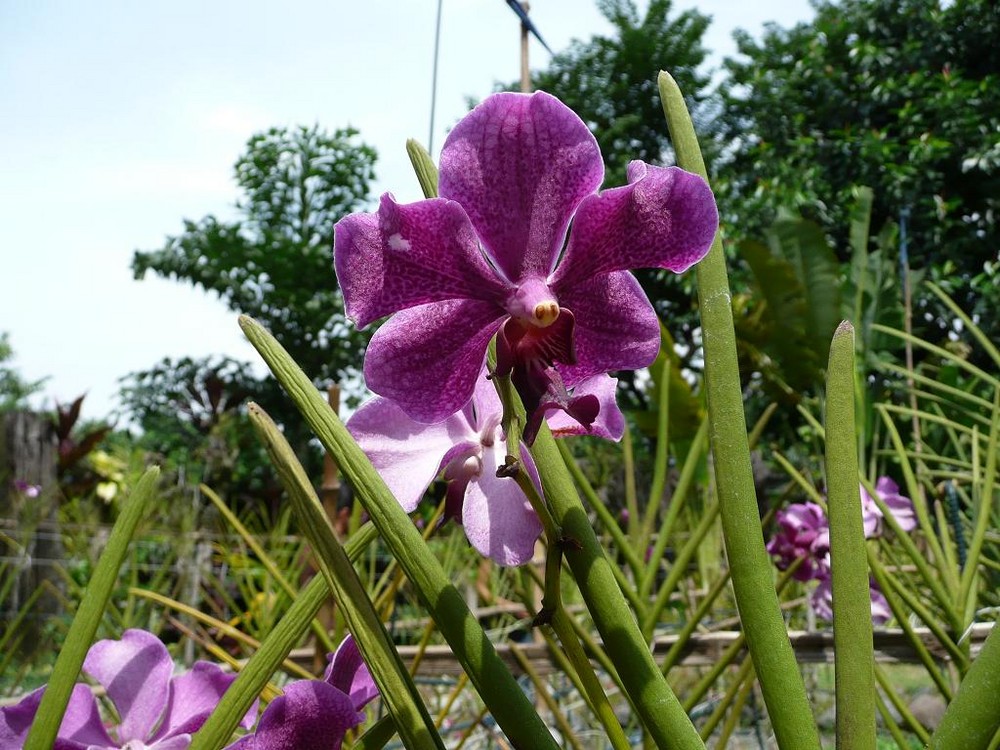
(490,257)
(160,711)
(804,535)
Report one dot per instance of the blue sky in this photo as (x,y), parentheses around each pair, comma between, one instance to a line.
(120,119)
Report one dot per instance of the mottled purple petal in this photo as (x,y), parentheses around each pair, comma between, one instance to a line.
(427,359)
(497,517)
(520,165)
(348,673)
(871,515)
(193,696)
(821,599)
(616,327)
(899,505)
(136,673)
(311,715)
(407,454)
(409,255)
(881,613)
(81,725)
(666,218)
(610,422)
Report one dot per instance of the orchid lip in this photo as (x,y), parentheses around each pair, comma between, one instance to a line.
(533,302)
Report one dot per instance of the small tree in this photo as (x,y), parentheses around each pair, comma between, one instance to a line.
(274,262)
(14,389)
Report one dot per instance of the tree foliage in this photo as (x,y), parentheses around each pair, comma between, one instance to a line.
(274,261)
(901,95)
(14,389)
(610,81)
(192,414)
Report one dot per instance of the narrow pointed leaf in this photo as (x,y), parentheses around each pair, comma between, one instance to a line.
(444,603)
(42,734)
(399,694)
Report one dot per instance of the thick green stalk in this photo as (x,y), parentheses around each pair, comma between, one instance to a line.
(972,718)
(852,621)
(773,658)
(399,694)
(274,649)
(658,708)
(42,734)
(443,602)
(588,679)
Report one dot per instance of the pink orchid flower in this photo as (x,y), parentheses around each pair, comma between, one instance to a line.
(491,255)
(467,448)
(157,710)
(316,714)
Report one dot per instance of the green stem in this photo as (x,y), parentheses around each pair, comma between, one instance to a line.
(42,734)
(972,719)
(585,671)
(852,621)
(622,544)
(274,649)
(773,658)
(399,694)
(443,602)
(656,704)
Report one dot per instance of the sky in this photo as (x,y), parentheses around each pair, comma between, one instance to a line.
(120,119)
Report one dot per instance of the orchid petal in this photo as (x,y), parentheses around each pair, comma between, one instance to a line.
(666,218)
(520,165)
(899,505)
(408,455)
(81,725)
(193,696)
(428,359)
(348,673)
(881,612)
(409,255)
(610,422)
(497,517)
(135,671)
(311,715)
(616,327)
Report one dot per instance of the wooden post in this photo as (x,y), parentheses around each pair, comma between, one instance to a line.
(525,72)
(29,501)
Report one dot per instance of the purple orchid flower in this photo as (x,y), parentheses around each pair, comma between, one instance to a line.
(316,714)
(156,710)
(899,505)
(821,600)
(488,256)
(803,532)
(469,447)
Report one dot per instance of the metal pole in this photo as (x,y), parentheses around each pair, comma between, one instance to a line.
(525,72)
(434,78)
